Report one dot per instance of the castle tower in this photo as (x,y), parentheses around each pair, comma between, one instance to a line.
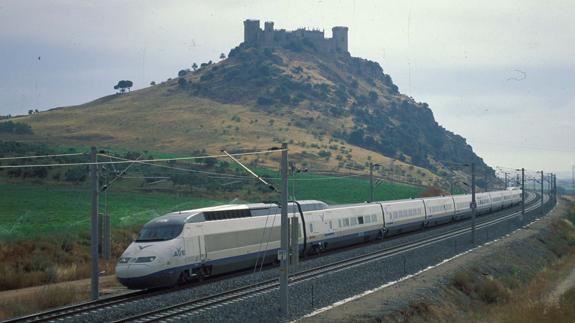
(339,35)
(251,31)
(268,33)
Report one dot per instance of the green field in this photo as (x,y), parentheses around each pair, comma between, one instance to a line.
(30,210)
(334,190)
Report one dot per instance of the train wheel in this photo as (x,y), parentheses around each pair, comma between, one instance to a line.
(184,277)
(206,271)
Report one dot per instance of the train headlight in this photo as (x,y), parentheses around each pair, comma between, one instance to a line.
(124,260)
(145,259)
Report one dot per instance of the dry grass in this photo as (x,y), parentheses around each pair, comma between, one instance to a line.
(484,288)
(46,298)
(45,261)
(529,302)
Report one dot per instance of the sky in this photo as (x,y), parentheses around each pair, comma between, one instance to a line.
(498,73)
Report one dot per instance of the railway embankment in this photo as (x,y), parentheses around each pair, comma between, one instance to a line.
(528,276)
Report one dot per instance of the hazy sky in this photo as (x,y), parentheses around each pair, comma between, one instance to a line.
(499,73)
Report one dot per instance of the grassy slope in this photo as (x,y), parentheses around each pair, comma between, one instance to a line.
(161,118)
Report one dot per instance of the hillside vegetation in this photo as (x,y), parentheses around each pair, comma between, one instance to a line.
(335,112)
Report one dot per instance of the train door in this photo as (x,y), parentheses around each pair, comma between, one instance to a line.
(195,244)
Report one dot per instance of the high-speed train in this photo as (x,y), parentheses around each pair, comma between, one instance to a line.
(181,246)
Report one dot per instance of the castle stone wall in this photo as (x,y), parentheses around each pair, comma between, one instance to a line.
(270,37)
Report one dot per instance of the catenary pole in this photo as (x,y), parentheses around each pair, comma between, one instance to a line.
(370,182)
(541,193)
(555,188)
(283,253)
(522,195)
(473,203)
(553,176)
(94,238)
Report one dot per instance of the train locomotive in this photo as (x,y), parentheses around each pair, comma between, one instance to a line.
(194,244)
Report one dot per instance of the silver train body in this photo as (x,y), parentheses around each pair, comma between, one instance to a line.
(184,245)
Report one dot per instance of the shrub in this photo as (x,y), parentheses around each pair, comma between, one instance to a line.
(464,282)
(15,128)
(265,101)
(492,291)
(76,174)
(324,153)
(182,83)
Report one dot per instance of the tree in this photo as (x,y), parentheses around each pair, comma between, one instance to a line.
(152,83)
(36,111)
(183,83)
(30,111)
(182,73)
(194,66)
(123,85)
(222,56)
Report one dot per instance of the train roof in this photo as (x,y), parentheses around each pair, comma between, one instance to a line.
(231,211)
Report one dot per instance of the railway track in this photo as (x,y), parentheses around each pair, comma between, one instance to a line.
(193,307)
(72,310)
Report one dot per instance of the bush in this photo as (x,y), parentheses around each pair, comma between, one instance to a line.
(464,282)
(182,83)
(491,291)
(15,128)
(265,101)
(76,174)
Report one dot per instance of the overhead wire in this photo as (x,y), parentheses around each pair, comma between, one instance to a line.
(41,156)
(211,174)
(148,160)
(122,172)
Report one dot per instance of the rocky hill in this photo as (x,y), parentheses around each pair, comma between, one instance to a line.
(336,111)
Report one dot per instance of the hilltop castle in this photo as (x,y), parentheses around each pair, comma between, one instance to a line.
(255,36)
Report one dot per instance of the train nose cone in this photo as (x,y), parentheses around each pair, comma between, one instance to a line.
(144,271)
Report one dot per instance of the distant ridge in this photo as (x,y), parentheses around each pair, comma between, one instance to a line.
(336,111)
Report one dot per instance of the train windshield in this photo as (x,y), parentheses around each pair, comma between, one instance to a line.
(157,232)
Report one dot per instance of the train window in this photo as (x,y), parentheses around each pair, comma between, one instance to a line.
(339,222)
(353,221)
(360,219)
(330,225)
(346,222)
(229,214)
(373,218)
(158,232)
(311,227)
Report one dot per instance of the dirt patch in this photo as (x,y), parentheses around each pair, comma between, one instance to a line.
(464,288)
